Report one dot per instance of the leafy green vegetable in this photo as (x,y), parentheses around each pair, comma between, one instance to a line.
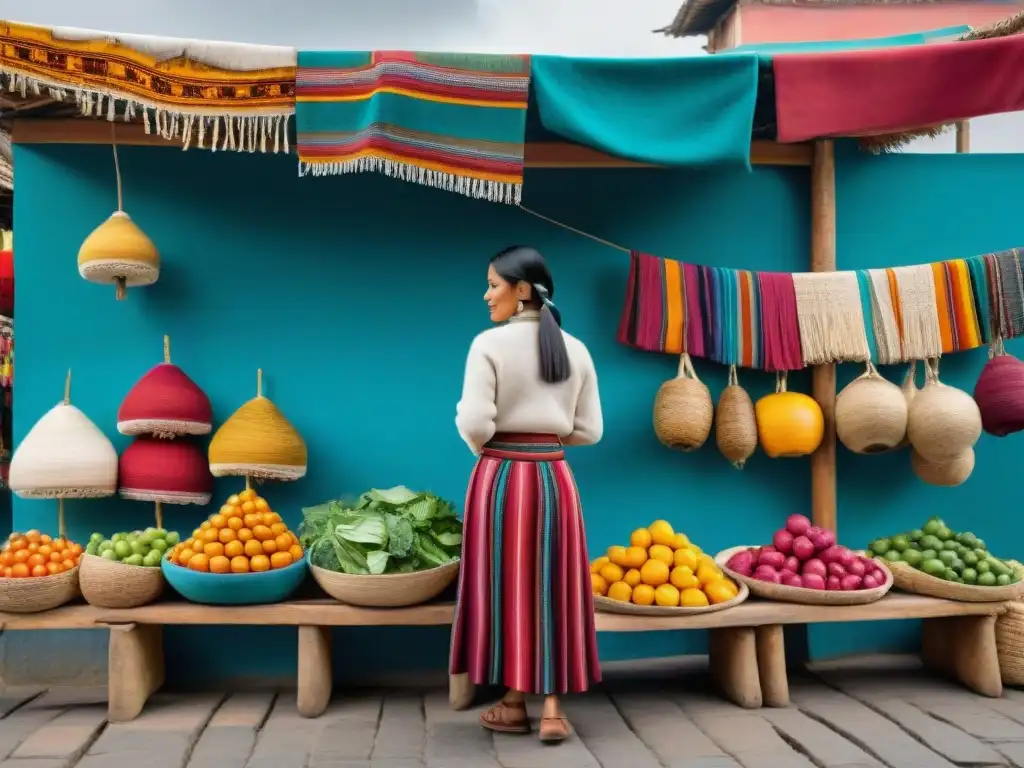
(383,531)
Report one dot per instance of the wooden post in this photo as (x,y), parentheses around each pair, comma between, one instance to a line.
(963,137)
(823,377)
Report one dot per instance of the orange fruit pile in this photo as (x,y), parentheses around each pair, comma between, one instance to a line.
(34,554)
(246,535)
(661,567)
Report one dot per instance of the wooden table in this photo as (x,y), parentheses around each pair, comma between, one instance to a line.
(745,643)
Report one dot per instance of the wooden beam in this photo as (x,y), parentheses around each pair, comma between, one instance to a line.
(823,377)
(963,136)
(538,154)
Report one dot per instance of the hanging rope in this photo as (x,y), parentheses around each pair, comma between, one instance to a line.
(569,228)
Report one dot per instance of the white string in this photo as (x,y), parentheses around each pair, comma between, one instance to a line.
(580,232)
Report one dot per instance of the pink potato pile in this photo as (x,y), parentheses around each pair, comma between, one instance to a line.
(804,555)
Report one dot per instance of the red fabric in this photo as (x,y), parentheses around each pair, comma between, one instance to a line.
(860,93)
(166,393)
(169,466)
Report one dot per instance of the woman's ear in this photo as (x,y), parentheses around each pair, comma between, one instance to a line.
(523,290)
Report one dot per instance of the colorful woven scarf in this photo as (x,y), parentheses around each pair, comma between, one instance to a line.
(216,95)
(448,120)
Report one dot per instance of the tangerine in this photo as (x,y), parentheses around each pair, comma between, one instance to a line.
(251,520)
(269,518)
(259,563)
(68,563)
(35,560)
(667,595)
(280,560)
(213,549)
(296,552)
(19,571)
(635,557)
(240,564)
(632,577)
(661,532)
(247,495)
(227,534)
(248,508)
(620,591)
(234,500)
(641,537)
(261,504)
(262,532)
(39,570)
(211,535)
(643,594)
(220,564)
(283,541)
(185,556)
(235,523)
(612,573)
(234,548)
(661,552)
(218,521)
(654,572)
(599,563)
(199,562)
(253,548)
(244,534)
(269,546)
(597,584)
(52,568)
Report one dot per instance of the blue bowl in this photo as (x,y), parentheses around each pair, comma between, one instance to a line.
(260,588)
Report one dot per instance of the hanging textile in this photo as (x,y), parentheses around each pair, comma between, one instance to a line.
(678,111)
(216,95)
(455,121)
(861,93)
(831,318)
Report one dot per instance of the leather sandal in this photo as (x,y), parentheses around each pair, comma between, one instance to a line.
(554,730)
(506,717)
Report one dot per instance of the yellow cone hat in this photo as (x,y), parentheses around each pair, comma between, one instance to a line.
(258,441)
(119,253)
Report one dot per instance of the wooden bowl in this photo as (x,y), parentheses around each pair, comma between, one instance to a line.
(607,605)
(910,579)
(39,593)
(110,584)
(802,595)
(386,590)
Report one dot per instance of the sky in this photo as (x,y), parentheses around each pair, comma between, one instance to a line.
(570,27)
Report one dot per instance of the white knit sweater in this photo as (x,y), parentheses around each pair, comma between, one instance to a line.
(503,390)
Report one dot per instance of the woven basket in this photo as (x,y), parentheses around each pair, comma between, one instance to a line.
(683,410)
(40,593)
(802,595)
(1010,644)
(607,605)
(909,579)
(386,590)
(871,414)
(943,421)
(735,423)
(943,473)
(108,584)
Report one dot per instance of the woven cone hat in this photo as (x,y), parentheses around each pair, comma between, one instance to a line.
(258,441)
(165,403)
(170,471)
(118,252)
(64,455)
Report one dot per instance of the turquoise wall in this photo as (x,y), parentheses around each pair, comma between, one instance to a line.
(358,297)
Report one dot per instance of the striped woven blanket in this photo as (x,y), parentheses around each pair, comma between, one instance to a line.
(454,121)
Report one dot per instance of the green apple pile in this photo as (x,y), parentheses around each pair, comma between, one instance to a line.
(143,548)
(939,551)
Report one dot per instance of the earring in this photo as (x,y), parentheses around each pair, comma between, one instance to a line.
(519,307)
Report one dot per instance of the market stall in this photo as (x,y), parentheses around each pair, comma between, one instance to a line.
(305,282)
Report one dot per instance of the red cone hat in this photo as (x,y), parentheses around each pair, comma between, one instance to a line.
(165,403)
(171,471)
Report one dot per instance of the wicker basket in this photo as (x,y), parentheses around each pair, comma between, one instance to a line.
(909,579)
(386,590)
(683,410)
(607,605)
(108,584)
(802,595)
(40,593)
(1010,644)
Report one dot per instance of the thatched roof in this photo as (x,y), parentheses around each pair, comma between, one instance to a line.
(698,17)
(1011,26)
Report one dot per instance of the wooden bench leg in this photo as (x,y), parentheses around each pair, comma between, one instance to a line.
(771,665)
(733,655)
(315,674)
(461,691)
(135,662)
(964,647)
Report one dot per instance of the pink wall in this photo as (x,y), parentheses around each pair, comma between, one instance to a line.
(778,24)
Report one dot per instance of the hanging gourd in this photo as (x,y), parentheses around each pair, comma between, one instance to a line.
(943,422)
(258,441)
(999,392)
(871,414)
(789,423)
(735,423)
(165,402)
(117,252)
(683,410)
(943,473)
(64,456)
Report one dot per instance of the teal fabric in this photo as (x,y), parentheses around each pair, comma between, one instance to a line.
(695,111)
(867,305)
(767,50)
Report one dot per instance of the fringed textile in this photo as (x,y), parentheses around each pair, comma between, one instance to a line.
(212,95)
(453,121)
(1006,270)
(922,338)
(664,308)
(831,320)
(885,318)
(780,326)
(961,325)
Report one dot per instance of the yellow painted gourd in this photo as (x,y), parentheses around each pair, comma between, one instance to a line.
(789,423)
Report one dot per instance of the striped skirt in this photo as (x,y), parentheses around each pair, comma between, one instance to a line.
(525,612)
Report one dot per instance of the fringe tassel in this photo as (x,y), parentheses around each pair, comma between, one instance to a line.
(887,329)
(492,191)
(922,338)
(831,319)
(243,133)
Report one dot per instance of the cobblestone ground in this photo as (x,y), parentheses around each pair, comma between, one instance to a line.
(842,716)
